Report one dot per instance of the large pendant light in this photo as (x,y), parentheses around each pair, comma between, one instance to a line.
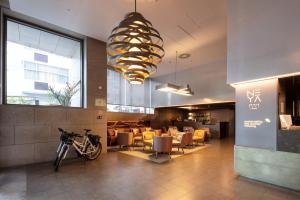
(135,48)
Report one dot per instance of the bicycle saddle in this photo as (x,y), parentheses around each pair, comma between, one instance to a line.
(87,130)
(61,130)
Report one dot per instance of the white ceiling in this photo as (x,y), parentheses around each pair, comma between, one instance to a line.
(197,27)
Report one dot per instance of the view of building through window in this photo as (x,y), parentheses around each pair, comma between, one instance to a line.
(42,68)
(125,97)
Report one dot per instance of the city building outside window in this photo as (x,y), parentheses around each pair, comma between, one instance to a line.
(41,67)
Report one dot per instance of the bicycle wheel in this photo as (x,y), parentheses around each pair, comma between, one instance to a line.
(94,155)
(58,152)
(60,157)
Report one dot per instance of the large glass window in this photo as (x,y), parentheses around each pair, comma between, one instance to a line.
(42,67)
(125,97)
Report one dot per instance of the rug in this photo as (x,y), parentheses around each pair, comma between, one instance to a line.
(148,154)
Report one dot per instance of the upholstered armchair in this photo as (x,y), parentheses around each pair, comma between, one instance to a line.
(137,136)
(173,131)
(157,132)
(188,129)
(148,138)
(208,135)
(199,136)
(183,142)
(162,144)
(111,136)
(125,139)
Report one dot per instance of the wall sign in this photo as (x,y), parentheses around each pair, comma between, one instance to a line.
(100,102)
(256,114)
(254,97)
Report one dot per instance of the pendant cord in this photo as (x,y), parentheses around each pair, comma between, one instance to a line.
(176,68)
(134,5)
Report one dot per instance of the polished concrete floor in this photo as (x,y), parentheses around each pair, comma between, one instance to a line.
(207,174)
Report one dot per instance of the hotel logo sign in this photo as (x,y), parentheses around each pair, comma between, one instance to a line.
(254,98)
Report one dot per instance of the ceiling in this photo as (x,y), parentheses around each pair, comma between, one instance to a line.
(197,27)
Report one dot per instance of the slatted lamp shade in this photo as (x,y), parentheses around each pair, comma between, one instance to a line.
(135,48)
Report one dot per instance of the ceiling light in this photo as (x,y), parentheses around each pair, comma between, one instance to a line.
(135,48)
(167,87)
(184,55)
(187,91)
(176,89)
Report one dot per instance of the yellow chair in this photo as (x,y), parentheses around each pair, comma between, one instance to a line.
(148,138)
(199,136)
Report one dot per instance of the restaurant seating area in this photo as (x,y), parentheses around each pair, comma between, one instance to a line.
(157,141)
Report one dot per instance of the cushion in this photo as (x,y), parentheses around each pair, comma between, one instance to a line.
(116,132)
(138,138)
(173,131)
(111,132)
(148,141)
(135,131)
(148,135)
(175,142)
(142,129)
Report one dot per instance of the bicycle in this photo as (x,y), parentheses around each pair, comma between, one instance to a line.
(89,147)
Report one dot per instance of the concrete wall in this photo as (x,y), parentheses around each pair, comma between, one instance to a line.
(275,167)
(29,133)
(263,38)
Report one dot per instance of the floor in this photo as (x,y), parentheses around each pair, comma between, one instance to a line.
(207,174)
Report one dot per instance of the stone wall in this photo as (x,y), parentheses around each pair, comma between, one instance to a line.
(29,133)
(275,167)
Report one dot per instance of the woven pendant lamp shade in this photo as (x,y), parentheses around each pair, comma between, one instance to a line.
(135,48)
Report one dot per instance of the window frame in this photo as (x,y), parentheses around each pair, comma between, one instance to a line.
(6,18)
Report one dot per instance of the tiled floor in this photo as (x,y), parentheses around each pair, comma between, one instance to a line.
(207,174)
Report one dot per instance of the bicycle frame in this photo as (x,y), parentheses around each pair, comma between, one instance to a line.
(80,146)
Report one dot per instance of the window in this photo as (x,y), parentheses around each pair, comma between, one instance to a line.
(41,66)
(125,97)
(45,73)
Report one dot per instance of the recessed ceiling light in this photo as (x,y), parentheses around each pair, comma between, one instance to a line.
(184,55)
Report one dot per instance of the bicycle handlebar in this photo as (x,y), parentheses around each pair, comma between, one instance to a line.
(71,134)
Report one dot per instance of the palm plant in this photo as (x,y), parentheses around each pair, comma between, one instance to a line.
(64,96)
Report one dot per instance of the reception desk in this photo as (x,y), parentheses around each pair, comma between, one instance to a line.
(288,141)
